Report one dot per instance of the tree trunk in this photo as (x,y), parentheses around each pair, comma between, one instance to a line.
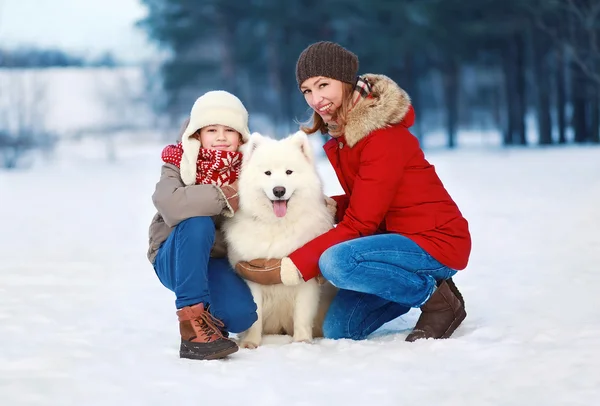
(561,95)
(578,84)
(228,64)
(595,114)
(510,91)
(579,100)
(561,84)
(406,79)
(274,74)
(542,85)
(521,98)
(291,93)
(451,79)
(410,81)
(594,103)
(507,69)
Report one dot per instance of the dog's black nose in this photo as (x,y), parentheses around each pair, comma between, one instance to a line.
(278,191)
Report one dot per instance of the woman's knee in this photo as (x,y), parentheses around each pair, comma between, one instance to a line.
(337,322)
(337,328)
(336,262)
(333,330)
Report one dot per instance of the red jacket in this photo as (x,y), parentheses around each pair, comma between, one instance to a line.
(389,185)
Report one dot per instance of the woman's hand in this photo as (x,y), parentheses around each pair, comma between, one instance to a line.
(231,194)
(270,271)
(331,205)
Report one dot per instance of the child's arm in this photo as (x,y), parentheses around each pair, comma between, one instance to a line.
(176,202)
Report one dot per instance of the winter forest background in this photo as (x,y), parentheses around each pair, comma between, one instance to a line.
(498,73)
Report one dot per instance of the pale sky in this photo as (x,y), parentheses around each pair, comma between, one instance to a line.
(85,26)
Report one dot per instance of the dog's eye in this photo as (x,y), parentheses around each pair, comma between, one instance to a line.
(288,172)
(268,173)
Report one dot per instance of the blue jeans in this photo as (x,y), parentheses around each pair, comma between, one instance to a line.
(380,277)
(184,266)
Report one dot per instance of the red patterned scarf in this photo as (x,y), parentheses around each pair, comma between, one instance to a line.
(213,167)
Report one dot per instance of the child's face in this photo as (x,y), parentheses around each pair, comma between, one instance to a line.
(220,137)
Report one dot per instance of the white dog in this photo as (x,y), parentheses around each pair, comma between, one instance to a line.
(282,207)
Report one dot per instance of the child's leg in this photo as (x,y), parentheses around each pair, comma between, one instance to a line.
(182,261)
(182,266)
(231,299)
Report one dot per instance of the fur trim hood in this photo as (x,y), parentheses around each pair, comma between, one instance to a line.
(387,105)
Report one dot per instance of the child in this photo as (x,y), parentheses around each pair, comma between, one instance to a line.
(197,187)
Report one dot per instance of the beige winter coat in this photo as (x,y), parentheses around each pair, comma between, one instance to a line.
(176,202)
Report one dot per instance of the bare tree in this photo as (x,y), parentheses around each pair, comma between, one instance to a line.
(122,94)
(580,41)
(23,107)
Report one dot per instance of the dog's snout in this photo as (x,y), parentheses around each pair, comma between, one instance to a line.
(279,191)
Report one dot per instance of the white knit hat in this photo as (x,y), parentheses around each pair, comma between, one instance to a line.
(212,108)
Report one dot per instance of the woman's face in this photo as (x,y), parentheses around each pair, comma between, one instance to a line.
(323,95)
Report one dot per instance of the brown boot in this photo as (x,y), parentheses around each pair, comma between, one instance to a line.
(441,314)
(201,337)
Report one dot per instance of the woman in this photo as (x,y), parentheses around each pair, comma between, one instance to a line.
(399,236)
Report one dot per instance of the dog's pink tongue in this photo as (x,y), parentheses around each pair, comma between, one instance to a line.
(280,207)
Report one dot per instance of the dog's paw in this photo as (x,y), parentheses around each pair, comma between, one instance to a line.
(249,345)
(303,339)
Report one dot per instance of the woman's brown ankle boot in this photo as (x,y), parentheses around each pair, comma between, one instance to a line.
(441,314)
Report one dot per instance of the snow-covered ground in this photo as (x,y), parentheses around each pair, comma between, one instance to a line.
(84,320)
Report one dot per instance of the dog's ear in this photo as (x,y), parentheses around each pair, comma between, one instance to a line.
(248,148)
(301,140)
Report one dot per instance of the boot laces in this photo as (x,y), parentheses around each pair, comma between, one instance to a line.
(209,324)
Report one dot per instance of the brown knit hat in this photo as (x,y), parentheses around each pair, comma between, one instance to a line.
(327,59)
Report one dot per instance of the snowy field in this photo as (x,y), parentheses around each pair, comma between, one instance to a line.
(84,320)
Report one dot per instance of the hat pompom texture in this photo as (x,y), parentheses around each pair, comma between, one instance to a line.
(212,108)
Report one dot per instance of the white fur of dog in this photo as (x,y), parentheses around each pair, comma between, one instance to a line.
(271,226)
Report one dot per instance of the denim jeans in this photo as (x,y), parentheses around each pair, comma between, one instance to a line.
(184,266)
(380,278)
